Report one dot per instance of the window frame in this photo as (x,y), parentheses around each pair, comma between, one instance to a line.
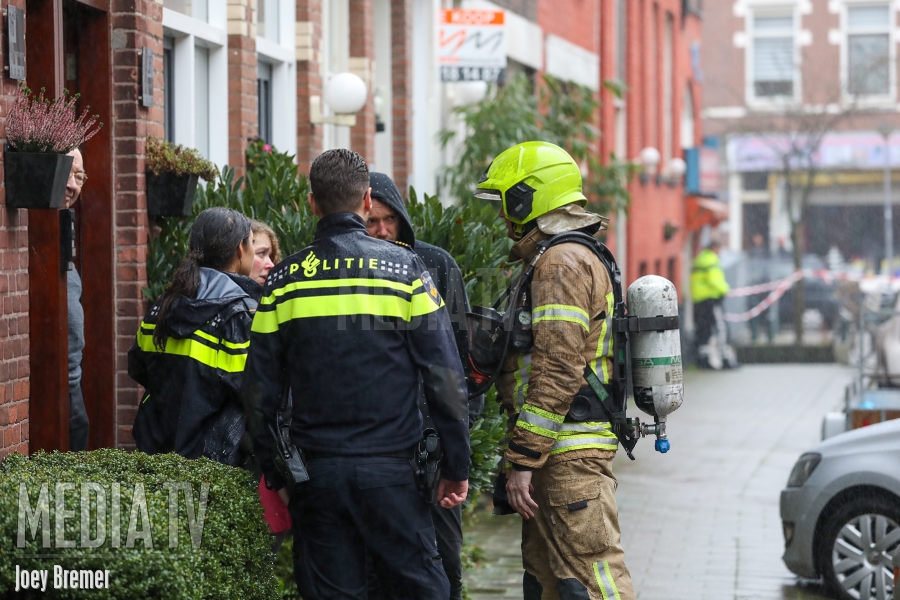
(169,88)
(772,10)
(890,30)
(188,35)
(282,58)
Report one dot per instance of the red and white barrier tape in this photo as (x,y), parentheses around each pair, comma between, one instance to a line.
(781,287)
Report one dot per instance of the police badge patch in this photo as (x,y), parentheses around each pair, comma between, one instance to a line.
(430,288)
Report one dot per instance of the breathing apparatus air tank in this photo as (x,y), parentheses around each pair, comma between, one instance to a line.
(656,368)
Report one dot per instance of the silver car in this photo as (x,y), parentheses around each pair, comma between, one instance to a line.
(841,512)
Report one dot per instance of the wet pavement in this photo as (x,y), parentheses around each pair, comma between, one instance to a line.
(702,522)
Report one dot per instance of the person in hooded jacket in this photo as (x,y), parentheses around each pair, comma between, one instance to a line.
(389,220)
(192,346)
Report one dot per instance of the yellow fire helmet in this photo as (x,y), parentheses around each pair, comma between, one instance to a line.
(531,179)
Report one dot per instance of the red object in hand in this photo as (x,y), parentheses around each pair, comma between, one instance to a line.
(277,514)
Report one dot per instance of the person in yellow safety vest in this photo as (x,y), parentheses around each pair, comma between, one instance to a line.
(708,291)
(560,477)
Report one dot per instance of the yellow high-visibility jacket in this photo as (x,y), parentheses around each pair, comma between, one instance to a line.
(707,278)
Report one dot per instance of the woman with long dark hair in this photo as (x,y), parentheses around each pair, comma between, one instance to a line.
(191,347)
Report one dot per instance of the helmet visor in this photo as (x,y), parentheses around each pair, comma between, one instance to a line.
(485,194)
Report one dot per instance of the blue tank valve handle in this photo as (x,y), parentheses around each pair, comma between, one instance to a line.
(662,446)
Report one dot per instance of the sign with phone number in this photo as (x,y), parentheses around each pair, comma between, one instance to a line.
(489,74)
(472,45)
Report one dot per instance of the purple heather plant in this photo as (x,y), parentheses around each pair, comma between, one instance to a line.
(37,124)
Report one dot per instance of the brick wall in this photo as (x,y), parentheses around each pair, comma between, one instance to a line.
(402,91)
(362,51)
(309,79)
(135,23)
(243,116)
(14,357)
(14,346)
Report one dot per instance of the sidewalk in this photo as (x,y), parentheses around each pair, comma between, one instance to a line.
(702,522)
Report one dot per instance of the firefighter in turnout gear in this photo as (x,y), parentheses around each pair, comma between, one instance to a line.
(559,473)
(350,324)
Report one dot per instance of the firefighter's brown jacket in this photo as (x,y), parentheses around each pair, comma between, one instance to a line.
(572,313)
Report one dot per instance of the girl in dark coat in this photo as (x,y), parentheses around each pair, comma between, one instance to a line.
(192,345)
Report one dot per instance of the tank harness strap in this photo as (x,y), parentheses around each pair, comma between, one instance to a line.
(635,324)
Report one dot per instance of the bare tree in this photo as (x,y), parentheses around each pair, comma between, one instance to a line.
(793,133)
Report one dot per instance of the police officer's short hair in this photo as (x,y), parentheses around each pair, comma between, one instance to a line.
(338,180)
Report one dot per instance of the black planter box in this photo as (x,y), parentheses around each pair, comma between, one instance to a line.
(170,195)
(35,179)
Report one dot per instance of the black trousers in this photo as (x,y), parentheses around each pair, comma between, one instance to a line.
(448,526)
(704,321)
(355,505)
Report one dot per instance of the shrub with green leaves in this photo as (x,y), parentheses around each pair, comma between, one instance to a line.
(118,518)
(562,113)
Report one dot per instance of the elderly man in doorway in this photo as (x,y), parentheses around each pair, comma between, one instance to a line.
(78,419)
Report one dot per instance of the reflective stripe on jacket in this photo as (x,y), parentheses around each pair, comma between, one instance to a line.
(572,312)
(707,278)
(350,323)
(191,405)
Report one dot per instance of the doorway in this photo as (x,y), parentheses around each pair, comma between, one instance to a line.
(74,55)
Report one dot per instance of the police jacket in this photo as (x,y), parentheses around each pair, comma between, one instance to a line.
(191,405)
(349,324)
(571,313)
(707,278)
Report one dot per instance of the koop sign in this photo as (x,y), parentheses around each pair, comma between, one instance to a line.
(472,45)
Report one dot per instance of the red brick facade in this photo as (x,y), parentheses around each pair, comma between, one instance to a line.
(309,80)
(14,366)
(141,23)
(401,90)
(243,116)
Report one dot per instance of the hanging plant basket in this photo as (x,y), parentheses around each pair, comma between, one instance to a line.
(35,179)
(170,195)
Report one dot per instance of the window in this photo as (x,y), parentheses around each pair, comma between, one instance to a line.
(868,50)
(773,65)
(199,9)
(201,100)
(264,101)
(195,57)
(169,91)
(276,75)
(267,20)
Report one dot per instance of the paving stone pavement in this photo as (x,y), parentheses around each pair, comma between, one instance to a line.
(702,522)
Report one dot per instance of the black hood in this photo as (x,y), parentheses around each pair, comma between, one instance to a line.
(384,190)
(217,290)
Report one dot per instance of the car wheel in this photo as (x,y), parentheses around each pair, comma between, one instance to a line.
(855,552)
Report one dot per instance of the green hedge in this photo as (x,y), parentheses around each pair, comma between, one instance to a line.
(228,556)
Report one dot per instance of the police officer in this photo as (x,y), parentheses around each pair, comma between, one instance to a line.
(351,323)
(561,479)
(708,291)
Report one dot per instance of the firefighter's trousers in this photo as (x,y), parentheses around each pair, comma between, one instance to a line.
(571,548)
